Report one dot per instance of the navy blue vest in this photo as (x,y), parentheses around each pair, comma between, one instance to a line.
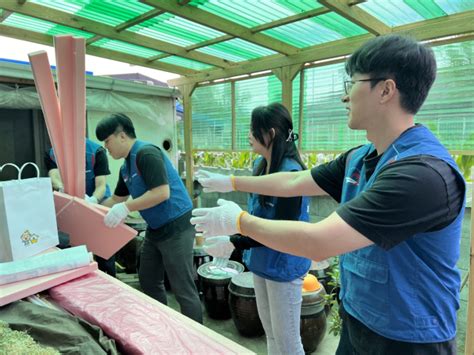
(410,292)
(167,211)
(91,149)
(266,262)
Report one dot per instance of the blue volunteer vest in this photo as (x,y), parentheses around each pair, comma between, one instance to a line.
(167,211)
(91,149)
(411,292)
(266,262)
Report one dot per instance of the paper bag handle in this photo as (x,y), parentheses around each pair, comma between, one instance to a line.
(20,170)
(10,164)
(29,163)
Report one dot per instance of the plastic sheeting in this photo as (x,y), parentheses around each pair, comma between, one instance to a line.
(154,108)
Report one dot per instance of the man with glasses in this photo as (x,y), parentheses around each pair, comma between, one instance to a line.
(158,193)
(398,227)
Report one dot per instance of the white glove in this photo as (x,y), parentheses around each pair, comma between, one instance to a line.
(219,247)
(212,182)
(116,215)
(90,199)
(216,221)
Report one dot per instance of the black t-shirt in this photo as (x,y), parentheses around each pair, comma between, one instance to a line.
(412,195)
(101,164)
(151,165)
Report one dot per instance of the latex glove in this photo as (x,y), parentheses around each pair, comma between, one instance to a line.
(116,215)
(212,182)
(90,199)
(216,221)
(219,247)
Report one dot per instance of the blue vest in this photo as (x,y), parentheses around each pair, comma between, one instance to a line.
(91,149)
(411,292)
(266,262)
(167,211)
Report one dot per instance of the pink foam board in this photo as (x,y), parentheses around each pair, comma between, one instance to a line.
(85,226)
(17,290)
(44,83)
(138,323)
(63,46)
(79,112)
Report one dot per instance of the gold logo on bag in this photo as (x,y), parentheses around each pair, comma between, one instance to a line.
(29,238)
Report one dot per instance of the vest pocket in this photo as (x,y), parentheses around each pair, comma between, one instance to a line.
(366,289)
(365,268)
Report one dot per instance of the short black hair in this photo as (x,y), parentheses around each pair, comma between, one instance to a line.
(114,123)
(411,64)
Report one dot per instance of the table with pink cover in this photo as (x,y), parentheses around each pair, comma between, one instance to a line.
(138,323)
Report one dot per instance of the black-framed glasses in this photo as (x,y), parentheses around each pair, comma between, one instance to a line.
(349,83)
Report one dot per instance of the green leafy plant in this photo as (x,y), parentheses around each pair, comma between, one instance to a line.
(228,160)
(335,321)
(465,163)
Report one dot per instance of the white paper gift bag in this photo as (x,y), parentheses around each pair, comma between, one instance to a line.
(27,216)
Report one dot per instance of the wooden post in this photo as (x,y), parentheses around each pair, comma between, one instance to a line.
(286,76)
(187,91)
(469,343)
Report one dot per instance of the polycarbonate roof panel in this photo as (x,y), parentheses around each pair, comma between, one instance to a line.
(175,30)
(254,13)
(402,12)
(124,47)
(236,50)
(392,13)
(455,6)
(187,63)
(111,13)
(320,29)
(41,26)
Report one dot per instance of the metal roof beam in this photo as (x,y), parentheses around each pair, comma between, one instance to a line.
(40,38)
(357,16)
(218,23)
(451,25)
(81,23)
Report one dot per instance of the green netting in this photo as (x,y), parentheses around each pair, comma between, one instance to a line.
(449,108)
(212,120)
(41,26)
(212,117)
(184,62)
(175,30)
(248,95)
(236,50)
(324,115)
(295,114)
(111,13)
(124,47)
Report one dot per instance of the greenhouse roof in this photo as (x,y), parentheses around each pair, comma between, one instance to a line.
(205,40)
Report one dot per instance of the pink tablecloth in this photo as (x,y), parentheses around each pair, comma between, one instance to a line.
(139,324)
